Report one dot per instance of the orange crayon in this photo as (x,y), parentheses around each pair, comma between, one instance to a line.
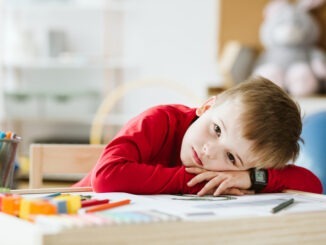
(107,206)
(10,204)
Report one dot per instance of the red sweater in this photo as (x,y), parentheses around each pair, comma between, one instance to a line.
(144,158)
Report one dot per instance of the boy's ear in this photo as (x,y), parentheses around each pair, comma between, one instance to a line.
(205,106)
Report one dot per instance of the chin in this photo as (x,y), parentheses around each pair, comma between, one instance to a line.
(187,163)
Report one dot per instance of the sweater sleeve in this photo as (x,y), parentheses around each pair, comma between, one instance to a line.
(137,160)
(292,177)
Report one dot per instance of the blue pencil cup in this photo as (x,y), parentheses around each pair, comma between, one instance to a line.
(8,148)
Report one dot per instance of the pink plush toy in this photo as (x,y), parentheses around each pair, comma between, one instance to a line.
(291,59)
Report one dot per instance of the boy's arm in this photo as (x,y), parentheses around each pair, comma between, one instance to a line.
(141,178)
(139,161)
(292,177)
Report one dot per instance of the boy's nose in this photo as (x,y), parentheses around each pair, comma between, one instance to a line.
(210,151)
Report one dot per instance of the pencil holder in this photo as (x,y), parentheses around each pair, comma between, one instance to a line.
(8,148)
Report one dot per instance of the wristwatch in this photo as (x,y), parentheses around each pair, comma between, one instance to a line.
(259,179)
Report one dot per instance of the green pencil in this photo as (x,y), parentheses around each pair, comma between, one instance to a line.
(282,205)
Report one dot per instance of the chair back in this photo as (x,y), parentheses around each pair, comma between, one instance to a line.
(66,161)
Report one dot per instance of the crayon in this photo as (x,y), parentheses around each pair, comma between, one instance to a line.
(11,204)
(8,135)
(282,205)
(93,202)
(61,206)
(2,135)
(36,207)
(52,195)
(73,202)
(107,206)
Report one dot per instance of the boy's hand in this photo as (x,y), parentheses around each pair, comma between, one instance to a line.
(226,182)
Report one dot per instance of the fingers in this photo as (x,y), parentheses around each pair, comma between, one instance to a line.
(232,183)
(223,185)
(237,192)
(233,191)
(212,184)
(201,177)
(248,192)
(195,170)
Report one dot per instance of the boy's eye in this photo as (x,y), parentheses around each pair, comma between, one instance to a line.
(217,130)
(231,157)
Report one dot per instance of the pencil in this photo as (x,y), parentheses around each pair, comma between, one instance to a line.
(107,206)
(282,205)
(93,202)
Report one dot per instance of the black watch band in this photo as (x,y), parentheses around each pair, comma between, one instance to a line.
(259,179)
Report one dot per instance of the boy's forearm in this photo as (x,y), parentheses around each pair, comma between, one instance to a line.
(139,178)
(292,177)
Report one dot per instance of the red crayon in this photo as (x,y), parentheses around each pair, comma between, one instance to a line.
(92,202)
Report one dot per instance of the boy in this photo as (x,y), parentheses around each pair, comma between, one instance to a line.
(235,143)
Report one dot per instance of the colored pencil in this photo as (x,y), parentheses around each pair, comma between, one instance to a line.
(93,202)
(107,206)
(282,205)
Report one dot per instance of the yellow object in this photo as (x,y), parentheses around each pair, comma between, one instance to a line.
(73,202)
(34,207)
(24,164)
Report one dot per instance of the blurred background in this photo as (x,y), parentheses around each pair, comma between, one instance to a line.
(60,59)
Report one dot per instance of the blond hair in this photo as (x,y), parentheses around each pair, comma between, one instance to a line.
(271,119)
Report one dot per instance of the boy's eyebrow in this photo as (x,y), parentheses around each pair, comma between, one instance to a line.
(223,125)
(239,159)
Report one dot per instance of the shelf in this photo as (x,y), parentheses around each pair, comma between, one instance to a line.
(61,57)
(81,63)
(116,119)
(67,5)
(51,93)
(85,120)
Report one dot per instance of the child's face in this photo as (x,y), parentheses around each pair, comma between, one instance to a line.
(214,141)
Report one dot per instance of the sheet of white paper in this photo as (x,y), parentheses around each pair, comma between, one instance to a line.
(192,207)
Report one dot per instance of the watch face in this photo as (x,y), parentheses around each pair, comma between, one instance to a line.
(260,176)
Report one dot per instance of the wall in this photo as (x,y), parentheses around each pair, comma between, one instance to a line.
(174,39)
(240,20)
(167,39)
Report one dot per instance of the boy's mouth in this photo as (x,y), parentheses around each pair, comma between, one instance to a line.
(195,156)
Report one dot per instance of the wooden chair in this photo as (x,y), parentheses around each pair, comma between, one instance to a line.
(65,160)
(73,160)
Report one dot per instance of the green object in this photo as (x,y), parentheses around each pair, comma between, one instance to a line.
(4,190)
(282,205)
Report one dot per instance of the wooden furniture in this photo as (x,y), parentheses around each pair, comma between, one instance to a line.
(295,228)
(63,159)
(103,114)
